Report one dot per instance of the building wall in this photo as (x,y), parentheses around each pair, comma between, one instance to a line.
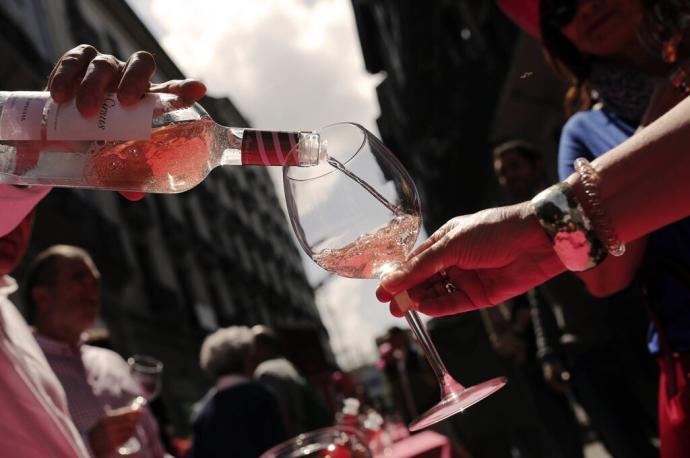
(175,267)
(451,91)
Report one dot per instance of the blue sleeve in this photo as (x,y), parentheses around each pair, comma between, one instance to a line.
(571,146)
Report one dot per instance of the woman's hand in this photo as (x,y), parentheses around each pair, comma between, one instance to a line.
(489,256)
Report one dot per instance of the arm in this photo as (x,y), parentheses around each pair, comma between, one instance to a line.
(615,273)
(501,252)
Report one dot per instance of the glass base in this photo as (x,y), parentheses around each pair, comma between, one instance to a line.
(456,402)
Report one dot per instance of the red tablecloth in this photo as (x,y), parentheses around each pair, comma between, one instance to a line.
(426,444)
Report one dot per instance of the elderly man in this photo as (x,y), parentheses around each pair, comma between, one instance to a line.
(238,417)
(301,405)
(63,301)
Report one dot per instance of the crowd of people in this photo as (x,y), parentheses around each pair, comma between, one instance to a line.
(574,271)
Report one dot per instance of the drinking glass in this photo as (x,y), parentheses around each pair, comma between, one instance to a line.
(333,442)
(358,214)
(146,371)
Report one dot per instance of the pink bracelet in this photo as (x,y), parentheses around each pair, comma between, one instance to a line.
(601,223)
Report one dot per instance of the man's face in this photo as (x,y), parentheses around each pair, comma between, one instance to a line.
(516,173)
(74,300)
(13,245)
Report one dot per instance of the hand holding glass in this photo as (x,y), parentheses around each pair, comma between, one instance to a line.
(146,371)
(358,215)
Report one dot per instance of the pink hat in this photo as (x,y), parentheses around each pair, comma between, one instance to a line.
(524,13)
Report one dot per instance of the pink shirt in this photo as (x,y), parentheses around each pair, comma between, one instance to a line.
(34,419)
(94,378)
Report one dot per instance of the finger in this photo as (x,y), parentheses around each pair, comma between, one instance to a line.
(101,72)
(136,77)
(69,71)
(120,437)
(189,89)
(395,310)
(447,304)
(419,268)
(124,418)
(132,196)
(433,238)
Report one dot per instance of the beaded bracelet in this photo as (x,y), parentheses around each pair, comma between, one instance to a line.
(570,231)
(597,215)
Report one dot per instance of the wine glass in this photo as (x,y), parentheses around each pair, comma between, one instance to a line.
(333,442)
(146,371)
(358,214)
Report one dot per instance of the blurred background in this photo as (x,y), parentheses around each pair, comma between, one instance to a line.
(440,82)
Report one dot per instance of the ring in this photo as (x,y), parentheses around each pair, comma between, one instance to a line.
(447,283)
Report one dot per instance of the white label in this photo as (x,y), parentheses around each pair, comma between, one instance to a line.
(111,122)
(21,116)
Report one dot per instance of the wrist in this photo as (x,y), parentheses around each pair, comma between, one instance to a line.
(534,241)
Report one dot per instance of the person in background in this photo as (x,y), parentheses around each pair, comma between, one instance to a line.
(600,46)
(63,300)
(636,188)
(595,345)
(35,418)
(33,400)
(412,382)
(519,170)
(238,417)
(301,406)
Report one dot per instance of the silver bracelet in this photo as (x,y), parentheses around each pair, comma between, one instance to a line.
(595,210)
(570,231)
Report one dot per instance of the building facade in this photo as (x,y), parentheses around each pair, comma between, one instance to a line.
(452,91)
(175,267)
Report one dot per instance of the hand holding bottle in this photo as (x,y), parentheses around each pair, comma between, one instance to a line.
(86,74)
(89,131)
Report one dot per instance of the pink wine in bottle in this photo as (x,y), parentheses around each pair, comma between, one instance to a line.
(160,145)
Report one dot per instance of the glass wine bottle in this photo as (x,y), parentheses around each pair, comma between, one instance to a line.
(160,145)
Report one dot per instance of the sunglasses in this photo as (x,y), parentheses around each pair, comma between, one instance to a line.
(558,13)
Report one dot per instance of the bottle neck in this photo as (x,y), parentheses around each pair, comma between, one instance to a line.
(270,148)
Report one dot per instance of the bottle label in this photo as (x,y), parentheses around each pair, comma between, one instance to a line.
(111,122)
(22,116)
(24,113)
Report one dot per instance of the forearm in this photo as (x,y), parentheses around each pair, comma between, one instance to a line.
(615,273)
(645,181)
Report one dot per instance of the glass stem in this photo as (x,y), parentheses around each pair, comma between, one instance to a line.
(445,380)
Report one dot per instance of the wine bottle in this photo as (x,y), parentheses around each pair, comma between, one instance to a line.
(162,144)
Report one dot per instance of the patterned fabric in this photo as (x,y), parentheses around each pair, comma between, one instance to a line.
(94,378)
(34,417)
(570,231)
(623,91)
